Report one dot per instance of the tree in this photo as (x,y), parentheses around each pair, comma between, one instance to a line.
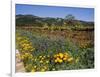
(70,17)
(59,21)
(69,20)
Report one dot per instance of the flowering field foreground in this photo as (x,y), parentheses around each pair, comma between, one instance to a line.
(54,50)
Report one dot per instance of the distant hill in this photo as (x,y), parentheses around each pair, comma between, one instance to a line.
(31,20)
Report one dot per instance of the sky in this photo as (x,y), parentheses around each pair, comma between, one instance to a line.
(85,14)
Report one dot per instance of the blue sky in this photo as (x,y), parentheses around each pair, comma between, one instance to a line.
(85,14)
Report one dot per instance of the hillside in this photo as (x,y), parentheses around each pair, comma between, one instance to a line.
(31,20)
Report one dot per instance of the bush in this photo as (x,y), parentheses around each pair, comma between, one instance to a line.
(41,53)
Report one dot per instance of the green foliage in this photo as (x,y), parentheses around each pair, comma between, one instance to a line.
(69,17)
(40,39)
(44,46)
(35,21)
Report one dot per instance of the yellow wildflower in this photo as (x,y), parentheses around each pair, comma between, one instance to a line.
(45,67)
(18,38)
(55,61)
(64,58)
(57,58)
(35,59)
(60,55)
(77,59)
(47,61)
(44,56)
(60,60)
(70,59)
(42,70)
(41,61)
(22,57)
(33,70)
(40,56)
(34,66)
(66,54)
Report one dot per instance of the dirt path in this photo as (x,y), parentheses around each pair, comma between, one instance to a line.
(19,64)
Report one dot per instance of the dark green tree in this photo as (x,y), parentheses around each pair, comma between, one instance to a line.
(69,20)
